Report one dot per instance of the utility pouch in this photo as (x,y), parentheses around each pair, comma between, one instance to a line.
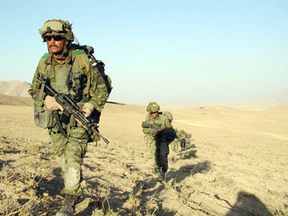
(43,117)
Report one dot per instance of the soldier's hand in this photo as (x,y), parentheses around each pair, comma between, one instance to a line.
(153,132)
(51,103)
(88,109)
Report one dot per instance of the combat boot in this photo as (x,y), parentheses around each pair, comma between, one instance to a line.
(156,172)
(163,173)
(68,206)
(162,176)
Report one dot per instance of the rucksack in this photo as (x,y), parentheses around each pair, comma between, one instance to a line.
(89,50)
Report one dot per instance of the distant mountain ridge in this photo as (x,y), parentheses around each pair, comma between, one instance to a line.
(14,88)
(279,97)
(20,89)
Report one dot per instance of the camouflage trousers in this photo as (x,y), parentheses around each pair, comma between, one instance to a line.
(159,151)
(71,152)
(176,145)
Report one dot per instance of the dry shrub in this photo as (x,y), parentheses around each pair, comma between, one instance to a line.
(20,177)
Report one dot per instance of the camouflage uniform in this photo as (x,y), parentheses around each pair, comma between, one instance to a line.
(158,140)
(83,82)
(182,139)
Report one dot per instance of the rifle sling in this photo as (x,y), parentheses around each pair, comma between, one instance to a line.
(59,124)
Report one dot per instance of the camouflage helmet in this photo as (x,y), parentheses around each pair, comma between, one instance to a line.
(153,107)
(57,27)
(188,136)
(168,115)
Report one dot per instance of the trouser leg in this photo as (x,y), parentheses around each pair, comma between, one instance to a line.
(163,158)
(71,159)
(73,156)
(154,153)
(71,153)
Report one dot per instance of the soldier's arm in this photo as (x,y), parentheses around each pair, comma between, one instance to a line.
(169,131)
(146,130)
(98,91)
(167,123)
(37,89)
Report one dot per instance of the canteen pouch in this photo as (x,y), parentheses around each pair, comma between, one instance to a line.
(43,117)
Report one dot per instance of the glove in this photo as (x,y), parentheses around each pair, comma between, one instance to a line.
(88,109)
(51,103)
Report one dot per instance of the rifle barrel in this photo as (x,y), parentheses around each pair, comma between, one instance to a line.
(117,103)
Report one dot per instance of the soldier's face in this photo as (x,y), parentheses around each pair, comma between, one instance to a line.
(56,44)
(154,115)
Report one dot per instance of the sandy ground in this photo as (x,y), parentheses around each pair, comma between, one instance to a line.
(236,165)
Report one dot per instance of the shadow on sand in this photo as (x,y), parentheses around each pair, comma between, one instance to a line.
(53,186)
(188,170)
(117,199)
(248,205)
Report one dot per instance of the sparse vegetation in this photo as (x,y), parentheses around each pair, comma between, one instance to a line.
(222,171)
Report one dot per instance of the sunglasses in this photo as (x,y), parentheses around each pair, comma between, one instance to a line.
(55,37)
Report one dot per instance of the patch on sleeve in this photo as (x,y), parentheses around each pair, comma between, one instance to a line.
(77,52)
(45,56)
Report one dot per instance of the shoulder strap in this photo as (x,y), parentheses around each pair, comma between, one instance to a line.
(80,59)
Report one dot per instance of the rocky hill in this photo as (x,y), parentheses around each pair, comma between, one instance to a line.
(15,100)
(15,93)
(280,97)
(14,88)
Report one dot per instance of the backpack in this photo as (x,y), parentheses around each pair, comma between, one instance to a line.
(96,63)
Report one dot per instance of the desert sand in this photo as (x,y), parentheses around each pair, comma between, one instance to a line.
(236,164)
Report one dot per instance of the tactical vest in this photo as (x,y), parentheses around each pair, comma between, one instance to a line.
(74,71)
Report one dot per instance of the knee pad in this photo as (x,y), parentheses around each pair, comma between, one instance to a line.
(72,177)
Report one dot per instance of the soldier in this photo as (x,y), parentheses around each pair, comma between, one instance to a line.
(158,132)
(69,72)
(182,137)
(180,142)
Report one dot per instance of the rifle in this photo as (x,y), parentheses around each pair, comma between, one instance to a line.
(72,108)
(168,133)
(155,126)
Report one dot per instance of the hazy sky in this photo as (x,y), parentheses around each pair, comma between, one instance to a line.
(180,52)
